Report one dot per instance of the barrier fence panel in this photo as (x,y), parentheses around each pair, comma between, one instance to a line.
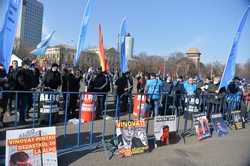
(94,125)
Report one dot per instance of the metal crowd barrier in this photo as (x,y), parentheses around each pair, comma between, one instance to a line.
(83,136)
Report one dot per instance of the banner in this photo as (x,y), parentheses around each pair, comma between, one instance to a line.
(229,70)
(201,126)
(132,137)
(123,58)
(9,11)
(219,125)
(81,40)
(238,121)
(102,56)
(42,46)
(35,146)
(163,125)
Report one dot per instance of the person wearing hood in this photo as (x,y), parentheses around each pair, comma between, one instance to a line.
(52,78)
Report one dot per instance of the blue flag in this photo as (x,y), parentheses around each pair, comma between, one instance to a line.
(229,70)
(9,11)
(83,32)
(123,59)
(42,46)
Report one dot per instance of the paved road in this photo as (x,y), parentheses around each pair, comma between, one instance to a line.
(231,150)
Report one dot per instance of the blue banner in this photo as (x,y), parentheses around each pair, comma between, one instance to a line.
(123,59)
(229,70)
(43,45)
(83,32)
(9,11)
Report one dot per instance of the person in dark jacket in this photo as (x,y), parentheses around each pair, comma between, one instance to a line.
(70,84)
(124,87)
(52,78)
(179,93)
(167,96)
(24,82)
(12,82)
(101,85)
(3,98)
(36,73)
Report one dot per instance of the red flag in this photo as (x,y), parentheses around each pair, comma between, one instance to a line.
(102,57)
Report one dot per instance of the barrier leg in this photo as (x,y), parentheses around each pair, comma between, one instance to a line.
(80,120)
(117,114)
(50,109)
(65,120)
(104,119)
(92,124)
(33,112)
(130,107)
(15,123)
(140,102)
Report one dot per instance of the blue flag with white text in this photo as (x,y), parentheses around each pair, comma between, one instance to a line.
(9,11)
(42,46)
(123,59)
(229,70)
(83,32)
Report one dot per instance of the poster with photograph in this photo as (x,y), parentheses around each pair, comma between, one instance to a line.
(132,137)
(219,125)
(164,125)
(238,120)
(201,126)
(32,147)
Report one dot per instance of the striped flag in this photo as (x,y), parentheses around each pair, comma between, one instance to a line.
(102,57)
(42,46)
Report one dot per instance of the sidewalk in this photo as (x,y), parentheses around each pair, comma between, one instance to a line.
(231,150)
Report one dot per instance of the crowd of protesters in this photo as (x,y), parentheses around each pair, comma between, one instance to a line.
(157,87)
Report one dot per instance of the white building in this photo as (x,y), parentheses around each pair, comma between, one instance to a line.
(60,54)
(30,23)
(14,57)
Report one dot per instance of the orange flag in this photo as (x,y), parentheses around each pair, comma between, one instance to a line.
(102,57)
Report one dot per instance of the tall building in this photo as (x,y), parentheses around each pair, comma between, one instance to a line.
(30,23)
(129,46)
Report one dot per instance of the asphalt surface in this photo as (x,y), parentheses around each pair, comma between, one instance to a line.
(231,150)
